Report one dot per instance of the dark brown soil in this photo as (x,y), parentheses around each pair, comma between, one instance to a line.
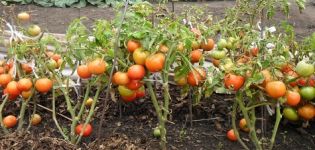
(132,128)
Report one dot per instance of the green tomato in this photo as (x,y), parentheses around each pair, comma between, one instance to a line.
(222,44)
(218,54)
(156,132)
(52,64)
(304,69)
(34,30)
(307,93)
(290,114)
(124,91)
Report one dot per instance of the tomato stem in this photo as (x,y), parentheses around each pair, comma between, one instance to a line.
(234,108)
(1,108)
(54,115)
(276,126)
(22,111)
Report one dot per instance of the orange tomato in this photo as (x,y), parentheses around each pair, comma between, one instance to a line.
(136,72)
(306,112)
(36,119)
(243,125)
(293,98)
(97,66)
(163,48)
(27,68)
(9,121)
(207,46)
(83,72)
(5,79)
(120,78)
(231,135)
(26,94)
(2,70)
(195,56)
(56,57)
(43,85)
(25,84)
(87,130)
(132,45)
(276,89)
(12,88)
(139,56)
(195,77)
(234,82)
(155,63)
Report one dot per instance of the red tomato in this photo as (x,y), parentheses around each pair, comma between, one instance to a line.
(87,132)
(231,135)
(134,84)
(233,81)
(140,92)
(136,72)
(129,98)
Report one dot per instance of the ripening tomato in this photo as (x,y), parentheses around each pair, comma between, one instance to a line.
(140,92)
(217,54)
(5,79)
(86,132)
(231,135)
(134,84)
(56,57)
(27,68)
(2,70)
(195,45)
(130,98)
(254,51)
(196,76)
(89,102)
(293,98)
(136,72)
(195,56)
(132,45)
(9,121)
(302,82)
(208,45)
(215,62)
(290,114)
(97,66)
(307,112)
(243,125)
(34,30)
(181,81)
(304,69)
(155,62)
(36,119)
(26,94)
(307,93)
(124,91)
(234,82)
(52,64)
(163,48)
(285,68)
(311,81)
(12,88)
(276,89)
(24,16)
(222,44)
(43,85)
(139,56)
(83,72)
(180,47)
(121,78)
(25,84)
